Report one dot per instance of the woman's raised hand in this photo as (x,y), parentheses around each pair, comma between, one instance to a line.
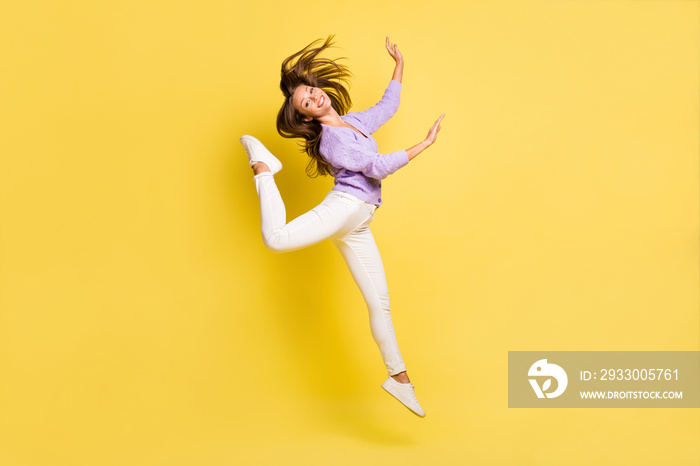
(432,133)
(411,152)
(394,51)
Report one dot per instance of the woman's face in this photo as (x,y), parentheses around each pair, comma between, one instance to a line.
(311,102)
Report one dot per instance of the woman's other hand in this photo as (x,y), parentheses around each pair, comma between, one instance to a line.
(394,51)
(411,152)
(432,133)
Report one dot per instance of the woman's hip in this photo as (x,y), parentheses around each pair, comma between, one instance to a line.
(345,212)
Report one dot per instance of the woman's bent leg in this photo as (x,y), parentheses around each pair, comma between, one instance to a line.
(362,256)
(333,216)
(273,215)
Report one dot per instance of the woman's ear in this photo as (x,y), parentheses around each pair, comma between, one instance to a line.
(306,119)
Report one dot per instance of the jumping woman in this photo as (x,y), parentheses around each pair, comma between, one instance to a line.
(315,109)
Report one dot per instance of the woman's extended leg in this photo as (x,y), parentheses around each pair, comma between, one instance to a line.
(362,256)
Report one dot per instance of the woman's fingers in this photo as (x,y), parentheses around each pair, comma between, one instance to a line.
(437,122)
(432,134)
(393,49)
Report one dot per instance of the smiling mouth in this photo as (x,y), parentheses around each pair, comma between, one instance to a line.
(321,101)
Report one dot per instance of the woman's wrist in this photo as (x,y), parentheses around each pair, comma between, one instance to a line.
(398,72)
(417,149)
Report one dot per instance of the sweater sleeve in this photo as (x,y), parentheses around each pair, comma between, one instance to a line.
(350,155)
(374,117)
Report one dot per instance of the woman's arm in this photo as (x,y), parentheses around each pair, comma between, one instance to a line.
(398,75)
(427,142)
(396,55)
(341,149)
(374,117)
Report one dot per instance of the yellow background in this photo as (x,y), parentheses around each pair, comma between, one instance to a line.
(142,321)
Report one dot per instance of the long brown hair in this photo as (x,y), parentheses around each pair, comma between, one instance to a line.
(306,68)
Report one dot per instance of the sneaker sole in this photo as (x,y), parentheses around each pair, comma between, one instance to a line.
(274,165)
(402,403)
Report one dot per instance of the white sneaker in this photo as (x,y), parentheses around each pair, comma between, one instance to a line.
(257,152)
(404,393)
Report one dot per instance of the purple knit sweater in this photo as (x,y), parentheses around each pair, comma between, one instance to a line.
(357,165)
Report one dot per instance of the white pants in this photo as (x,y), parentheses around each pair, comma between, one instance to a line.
(345,220)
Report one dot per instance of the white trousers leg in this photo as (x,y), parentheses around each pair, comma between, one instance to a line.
(345,220)
(365,264)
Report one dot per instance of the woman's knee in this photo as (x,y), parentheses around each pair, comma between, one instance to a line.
(274,244)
